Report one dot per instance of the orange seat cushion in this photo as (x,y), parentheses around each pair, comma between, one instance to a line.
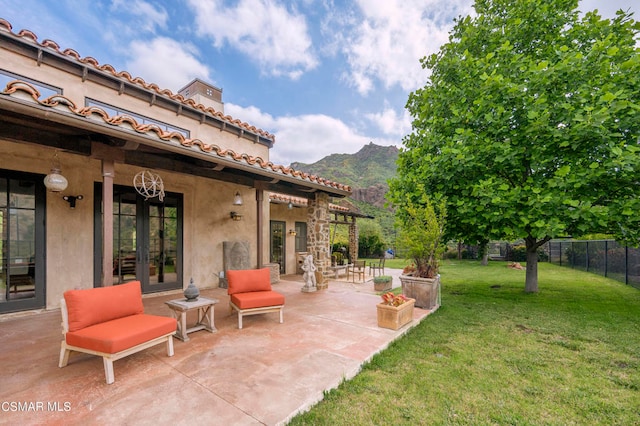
(245,280)
(257,299)
(97,305)
(122,333)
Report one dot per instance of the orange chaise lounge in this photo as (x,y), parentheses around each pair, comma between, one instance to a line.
(250,293)
(110,322)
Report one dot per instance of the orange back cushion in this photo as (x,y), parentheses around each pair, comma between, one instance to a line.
(243,281)
(97,305)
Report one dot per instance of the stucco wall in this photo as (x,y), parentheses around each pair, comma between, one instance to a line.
(69,232)
(207,202)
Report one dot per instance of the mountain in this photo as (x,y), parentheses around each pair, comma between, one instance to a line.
(367,172)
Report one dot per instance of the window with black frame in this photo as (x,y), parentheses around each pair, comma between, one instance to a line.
(22,204)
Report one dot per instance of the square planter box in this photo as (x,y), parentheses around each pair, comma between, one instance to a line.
(424,290)
(394,317)
(382,286)
(385,286)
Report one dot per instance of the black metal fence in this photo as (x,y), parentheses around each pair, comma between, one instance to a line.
(604,257)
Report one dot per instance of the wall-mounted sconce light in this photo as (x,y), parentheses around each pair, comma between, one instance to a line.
(235,216)
(54,181)
(292,232)
(290,205)
(237,199)
(71,199)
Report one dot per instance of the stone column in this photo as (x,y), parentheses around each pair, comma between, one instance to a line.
(318,235)
(353,240)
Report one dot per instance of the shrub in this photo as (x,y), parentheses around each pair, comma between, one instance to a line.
(382,279)
(518,253)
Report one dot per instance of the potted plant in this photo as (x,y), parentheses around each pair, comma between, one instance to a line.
(382,282)
(395,311)
(421,233)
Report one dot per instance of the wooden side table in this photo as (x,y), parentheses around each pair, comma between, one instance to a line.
(179,309)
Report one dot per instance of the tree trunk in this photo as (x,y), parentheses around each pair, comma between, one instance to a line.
(531,281)
(484,250)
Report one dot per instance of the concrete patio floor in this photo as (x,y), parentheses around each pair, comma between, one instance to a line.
(265,373)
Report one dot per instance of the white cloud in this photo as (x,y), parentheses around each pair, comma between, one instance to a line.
(147,16)
(165,62)
(387,44)
(305,138)
(390,122)
(272,37)
(608,9)
(251,115)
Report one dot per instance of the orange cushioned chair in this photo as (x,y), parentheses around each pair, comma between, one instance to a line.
(110,322)
(250,293)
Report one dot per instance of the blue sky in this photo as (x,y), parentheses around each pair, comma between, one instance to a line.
(324,76)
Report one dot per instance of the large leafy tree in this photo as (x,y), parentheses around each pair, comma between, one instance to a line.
(529,126)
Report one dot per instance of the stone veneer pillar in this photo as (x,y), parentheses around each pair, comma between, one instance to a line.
(318,235)
(353,240)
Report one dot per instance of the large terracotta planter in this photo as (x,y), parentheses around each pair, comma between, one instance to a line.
(426,291)
(394,317)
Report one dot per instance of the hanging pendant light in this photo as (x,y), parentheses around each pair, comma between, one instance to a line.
(54,181)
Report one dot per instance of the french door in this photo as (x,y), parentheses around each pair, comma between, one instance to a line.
(22,241)
(278,244)
(147,240)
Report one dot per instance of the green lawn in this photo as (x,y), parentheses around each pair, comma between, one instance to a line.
(390,263)
(492,354)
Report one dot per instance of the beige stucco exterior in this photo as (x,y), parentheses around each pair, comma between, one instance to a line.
(69,246)
(220,156)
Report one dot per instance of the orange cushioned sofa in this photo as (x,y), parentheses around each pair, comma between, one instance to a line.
(250,293)
(110,322)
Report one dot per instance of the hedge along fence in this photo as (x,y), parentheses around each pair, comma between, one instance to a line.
(603,257)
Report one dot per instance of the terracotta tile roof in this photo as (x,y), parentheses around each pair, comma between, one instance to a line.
(88,60)
(25,91)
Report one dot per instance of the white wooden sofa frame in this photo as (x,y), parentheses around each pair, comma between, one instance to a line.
(259,310)
(107,358)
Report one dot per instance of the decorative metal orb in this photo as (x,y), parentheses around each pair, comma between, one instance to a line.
(149,185)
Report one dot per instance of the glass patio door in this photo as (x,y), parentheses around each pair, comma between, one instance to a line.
(147,240)
(277,245)
(163,260)
(22,241)
(125,237)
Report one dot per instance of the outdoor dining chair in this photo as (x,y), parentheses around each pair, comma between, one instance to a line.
(358,268)
(373,267)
